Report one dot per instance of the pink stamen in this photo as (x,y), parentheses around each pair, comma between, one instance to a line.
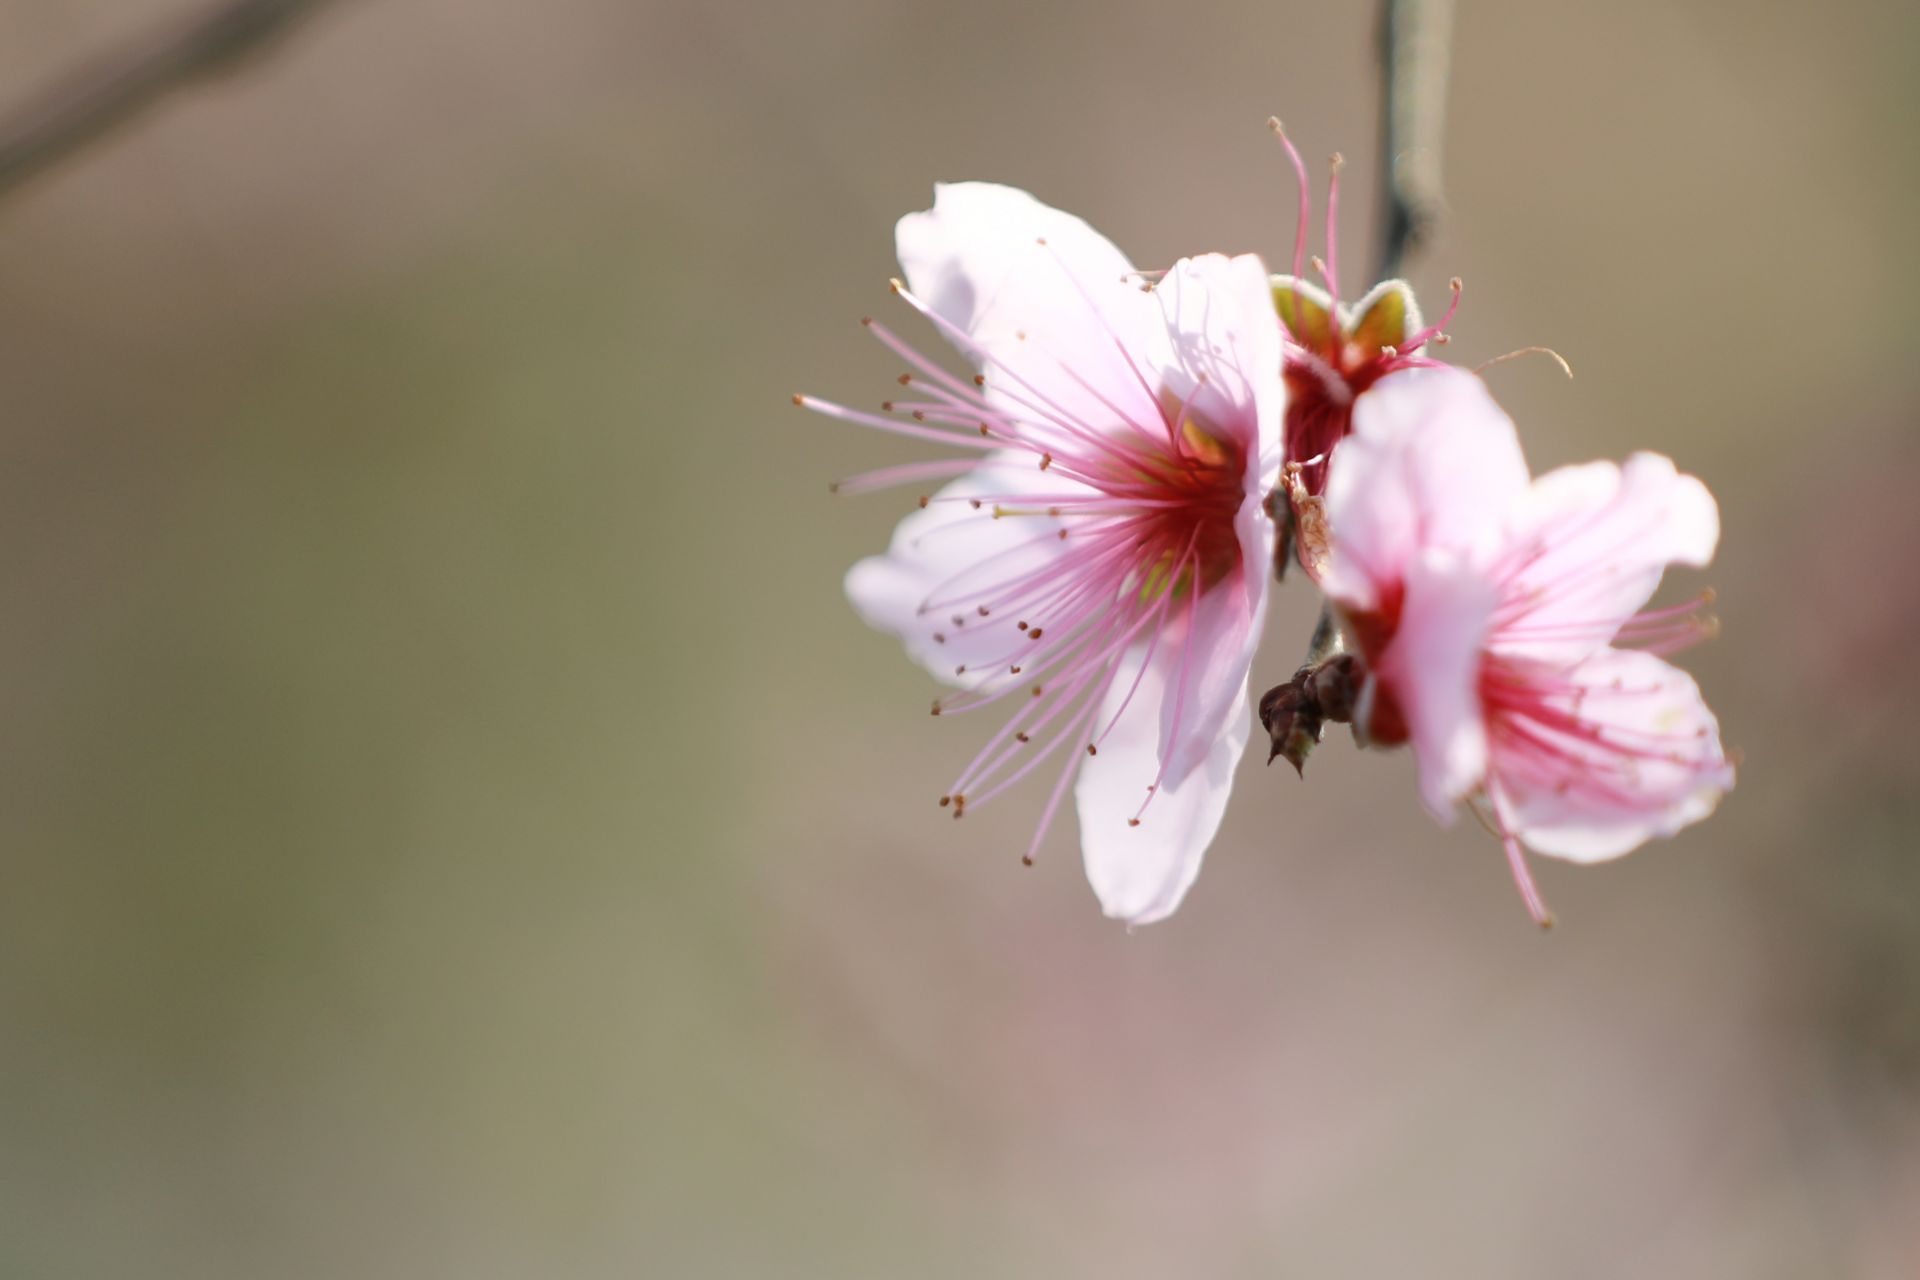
(1333,234)
(908,473)
(1523,878)
(1306,203)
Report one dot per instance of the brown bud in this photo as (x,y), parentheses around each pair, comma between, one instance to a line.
(1292,721)
(1296,712)
(1334,686)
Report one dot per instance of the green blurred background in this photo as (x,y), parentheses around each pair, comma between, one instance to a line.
(451,823)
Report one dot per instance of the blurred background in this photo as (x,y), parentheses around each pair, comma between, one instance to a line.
(451,823)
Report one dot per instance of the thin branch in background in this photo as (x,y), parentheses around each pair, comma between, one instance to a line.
(1415,36)
(95,100)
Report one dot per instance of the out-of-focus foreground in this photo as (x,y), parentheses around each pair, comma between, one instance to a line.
(452,824)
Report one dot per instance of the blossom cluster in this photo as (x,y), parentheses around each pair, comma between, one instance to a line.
(1143,454)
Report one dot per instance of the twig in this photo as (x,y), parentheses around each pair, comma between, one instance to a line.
(93,101)
(1414,38)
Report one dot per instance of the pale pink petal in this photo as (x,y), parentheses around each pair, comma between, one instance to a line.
(1589,546)
(1432,670)
(948,554)
(1618,750)
(1140,873)
(1061,328)
(1224,346)
(1432,462)
(1227,622)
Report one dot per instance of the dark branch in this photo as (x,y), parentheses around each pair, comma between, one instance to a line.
(1414,39)
(93,101)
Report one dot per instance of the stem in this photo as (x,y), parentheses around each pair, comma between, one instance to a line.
(95,100)
(1414,38)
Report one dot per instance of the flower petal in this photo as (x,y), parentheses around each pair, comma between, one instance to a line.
(1432,462)
(1624,750)
(1050,307)
(1225,624)
(1432,670)
(1223,346)
(1591,543)
(942,563)
(1140,873)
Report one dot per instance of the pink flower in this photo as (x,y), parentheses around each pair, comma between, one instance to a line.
(1335,351)
(1098,568)
(1500,619)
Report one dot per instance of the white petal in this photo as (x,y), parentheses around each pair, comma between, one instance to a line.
(1432,668)
(1224,346)
(1656,766)
(1595,540)
(1141,873)
(1225,625)
(1061,328)
(951,554)
(1432,462)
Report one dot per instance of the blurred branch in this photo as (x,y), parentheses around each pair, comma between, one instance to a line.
(1414,39)
(93,101)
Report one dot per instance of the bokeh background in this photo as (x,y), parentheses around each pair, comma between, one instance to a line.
(451,824)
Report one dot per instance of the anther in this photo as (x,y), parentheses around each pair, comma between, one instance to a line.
(893,283)
(984,611)
(985,430)
(979,379)
(1021,624)
(1046,460)
(905,378)
(960,670)
(1021,737)
(924,500)
(1092,750)
(945,801)
(936,706)
(1026,859)
(1133,822)
(1034,634)
(1013,671)
(1037,691)
(886,406)
(1063,535)
(1336,162)
(1273,123)
(866,320)
(799,399)
(919,416)
(976,503)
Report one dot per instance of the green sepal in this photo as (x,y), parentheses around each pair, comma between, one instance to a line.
(1306,311)
(1386,317)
